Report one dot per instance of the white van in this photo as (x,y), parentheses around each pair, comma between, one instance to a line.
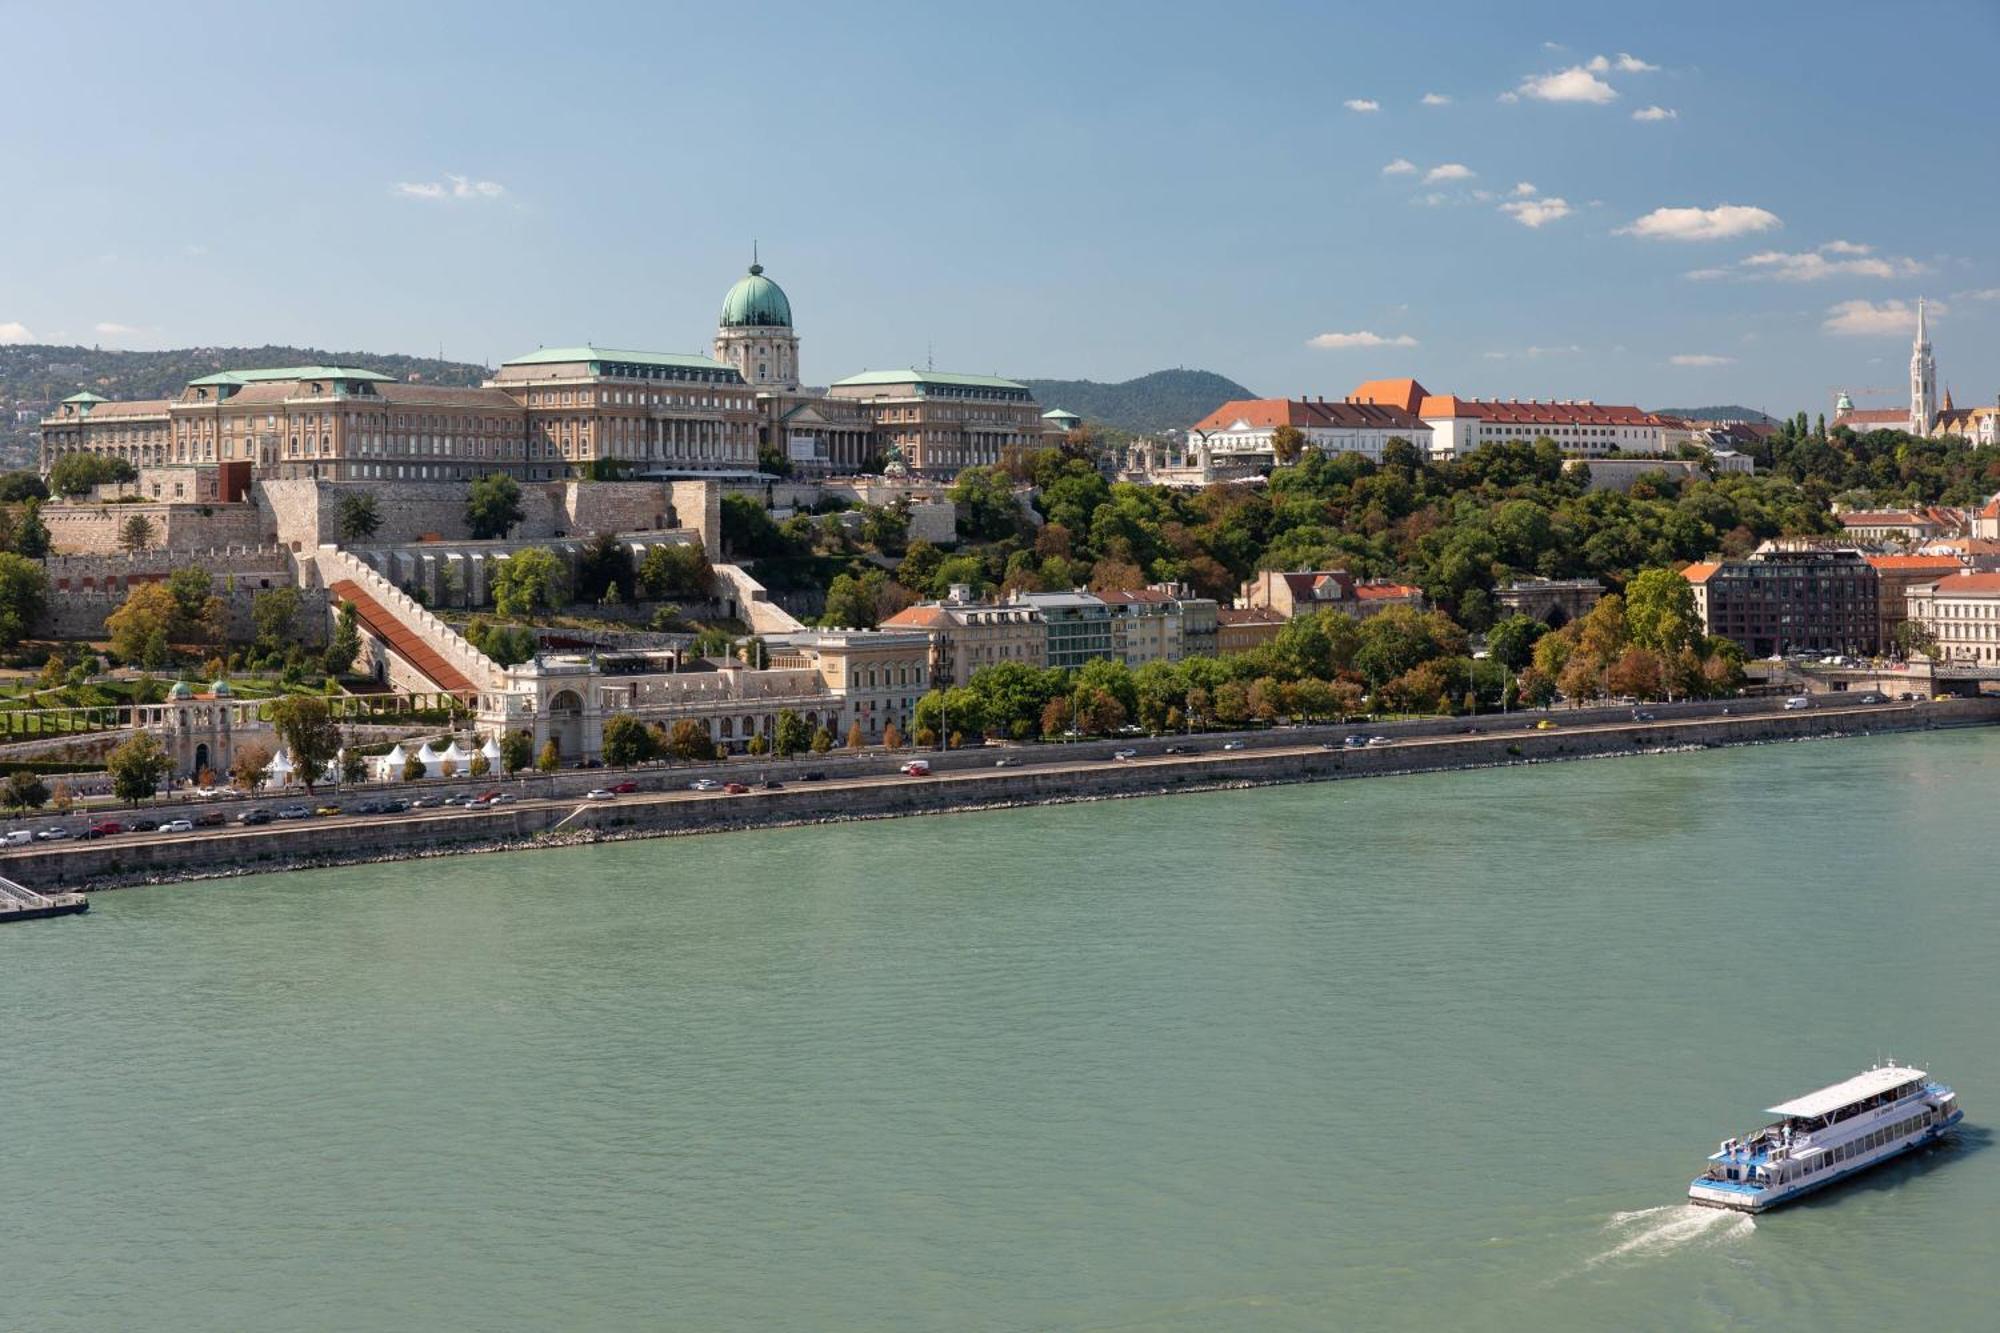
(15,837)
(1797,702)
(916,768)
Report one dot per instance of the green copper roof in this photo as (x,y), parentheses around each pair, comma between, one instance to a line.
(756,302)
(868,377)
(1060,414)
(85,397)
(280,374)
(555,356)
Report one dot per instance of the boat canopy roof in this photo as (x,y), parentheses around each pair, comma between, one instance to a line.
(1857,1089)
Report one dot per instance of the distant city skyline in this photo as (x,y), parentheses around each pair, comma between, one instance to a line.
(1557,201)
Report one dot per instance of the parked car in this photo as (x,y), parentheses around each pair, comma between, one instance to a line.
(487,796)
(1641,715)
(210,819)
(916,768)
(53,833)
(1376,742)
(294,812)
(1232,745)
(254,817)
(1354,742)
(426,803)
(1871,698)
(104,828)
(705,784)
(772,784)
(1005,762)
(1797,703)
(625,788)
(508,797)
(142,824)
(735,789)
(600,794)
(178,826)
(815,776)
(1124,755)
(1546,724)
(328,811)
(15,837)
(394,807)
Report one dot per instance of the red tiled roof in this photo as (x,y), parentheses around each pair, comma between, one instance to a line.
(1883,518)
(1306,414)
(1944,564)
(129,407)
(1385,591)
(919,617)
(1514,412)
(1700,571)
(1247,615)
(1874,416)
(409,645)
(1968,585)
(1404,394)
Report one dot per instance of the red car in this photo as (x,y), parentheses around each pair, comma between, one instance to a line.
(625,788)
(104,829)
(735,789)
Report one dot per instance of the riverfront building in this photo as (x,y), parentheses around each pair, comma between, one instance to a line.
(1963,611)
(1302,592)
(1778,601)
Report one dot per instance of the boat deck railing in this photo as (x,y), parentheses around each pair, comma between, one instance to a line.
(20,897)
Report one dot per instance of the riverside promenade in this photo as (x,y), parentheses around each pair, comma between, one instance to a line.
(553,811)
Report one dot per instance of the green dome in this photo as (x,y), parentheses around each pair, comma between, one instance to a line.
(220,689)
(181,690)
(756,301)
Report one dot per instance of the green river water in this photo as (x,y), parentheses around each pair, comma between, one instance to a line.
(1434,1052)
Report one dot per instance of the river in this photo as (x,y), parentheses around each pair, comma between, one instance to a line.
(1412,1053)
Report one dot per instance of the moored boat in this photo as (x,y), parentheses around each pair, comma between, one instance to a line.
(1827,1136)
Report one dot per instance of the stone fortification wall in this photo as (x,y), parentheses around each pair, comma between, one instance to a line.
(85,589)
(94,529)
(304,514)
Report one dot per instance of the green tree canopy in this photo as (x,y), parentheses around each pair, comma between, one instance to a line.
(529,582)
(306,728)
(137,768)
(492,506)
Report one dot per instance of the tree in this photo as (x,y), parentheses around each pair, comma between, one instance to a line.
(688,741)
(249,763)
(23,485)
(626,741)
(1287,443)
(274,617)
(24,591)
(306,727)
(530,581)
(1913,637)
(517,750)
(359,519)
(345,647)
(414,769)
(26,791)
(604,571)
(756,746)
(856,738)
(892,737)
(822,740)
(353,767)
(77,474)
(480,766)
(215,622)
(31,534)
(550,758)
(984,498)
(1512,640)
(139,629)
(492,506)
(791,736)
(135,533)
(191,586)
(852,600)
(1660,611)
(676,571)
(1636,673)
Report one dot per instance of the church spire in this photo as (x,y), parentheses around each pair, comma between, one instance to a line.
(1923,378)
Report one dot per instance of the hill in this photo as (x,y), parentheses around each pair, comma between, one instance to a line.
(1166,400)
(1730,412)
(35,376)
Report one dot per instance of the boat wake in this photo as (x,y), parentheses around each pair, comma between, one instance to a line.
(1652,1232)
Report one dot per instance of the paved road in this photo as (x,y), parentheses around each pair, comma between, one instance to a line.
(662,786)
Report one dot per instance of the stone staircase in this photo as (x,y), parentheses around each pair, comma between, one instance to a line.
(427,644)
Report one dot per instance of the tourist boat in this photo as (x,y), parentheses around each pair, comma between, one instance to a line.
(1826,1136)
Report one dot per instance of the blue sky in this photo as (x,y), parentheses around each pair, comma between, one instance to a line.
(1089,190)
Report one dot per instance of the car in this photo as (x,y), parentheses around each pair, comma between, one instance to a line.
(104,828)
(369,807)
(815,776)
(772,784)
(735,789)
(15,837)
(625,788)
(53,833)
(1376,742)
(210,819)
(1797,703)
(916,768)
(178,826)
(294,812)
(1123,756)
(1546,724)
(394,807)
(1232,745)
(254,817)
(705,784)
(426,803)
(143,824)
(1907,696)
(1728,712)
(1939,698)
(1641,715)
(488,796)
(1353,742)
(1005,762)
(1871,698)
(327,811)
(599,794)
(1329,745)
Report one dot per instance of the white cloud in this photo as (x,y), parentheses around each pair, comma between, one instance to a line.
(1706,274)
(110,329)
(1510,97)
(451,187)
(1483,196)
(1597,64)
(1814,265)
(1431,200)
(1362,104)
(1436,99)
(1863,319)
(1360,338)
(1554,46)
(1701,224)
(1700,359)
(1631,64)
(1524,188)
(1981,294)
(1535,212)
(1656,113)
(1575,84)
(1449,171)
(1402,166)
(14,331)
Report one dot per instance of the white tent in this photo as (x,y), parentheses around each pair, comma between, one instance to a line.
(492,752)
(457,759)
(432,760)
(389,767)
(278,773)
